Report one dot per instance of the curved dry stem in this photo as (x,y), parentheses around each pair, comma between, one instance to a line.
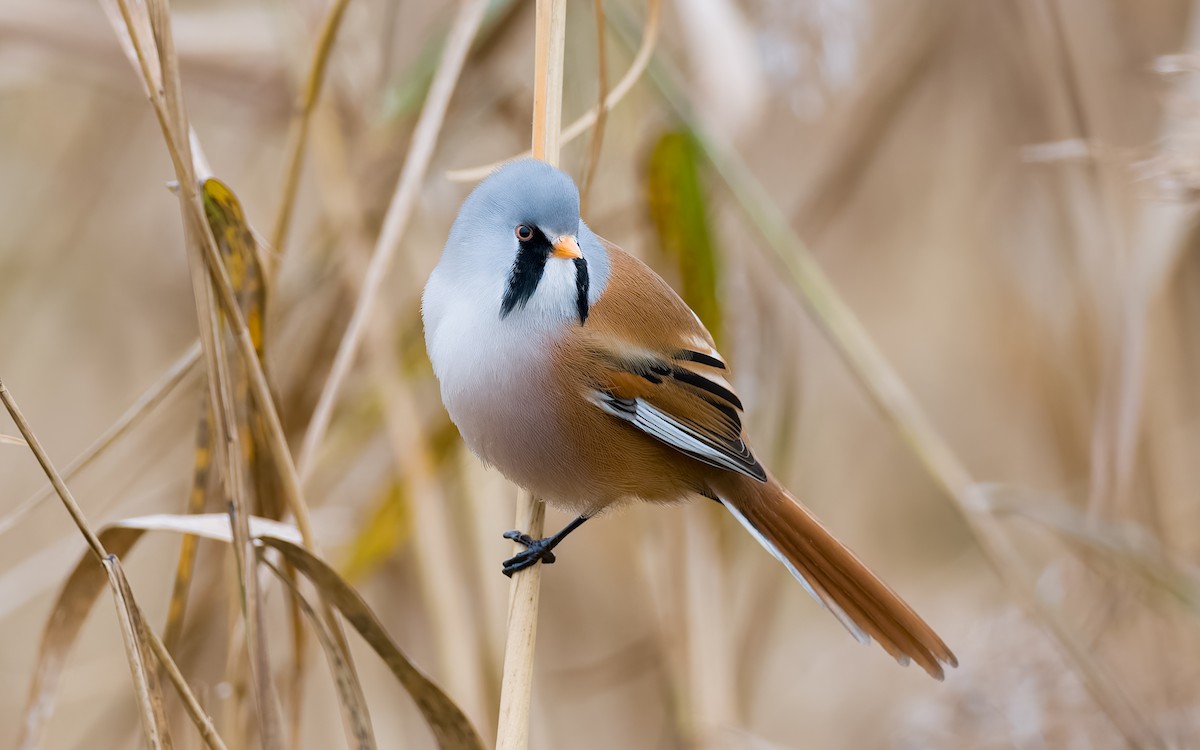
(640,62)
(52,474)
(151,398)
(203,722)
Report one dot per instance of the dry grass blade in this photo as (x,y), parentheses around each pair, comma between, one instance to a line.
(145,679)
(184,568)
(425,137)
(208,275)
(163,387)
(149,31)
(640,61)
(224,413)
(354,701)
(298,133)
(67,615)
(94,545)
(75,601)
(129,19)
(451,727)
(241,258)
(11,440)
(79,594)
(238,251)
(597,142)
(167,104)
(253,606)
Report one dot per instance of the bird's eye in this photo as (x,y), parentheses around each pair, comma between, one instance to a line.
(524,233)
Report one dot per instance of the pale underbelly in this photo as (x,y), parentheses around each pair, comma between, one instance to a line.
(532,448)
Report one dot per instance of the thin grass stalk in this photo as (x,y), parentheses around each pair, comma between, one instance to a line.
(267,698)
(416,164)
(580,126)
(229,457)
(597,142)
(298,131)
(549,51)
(52,474)
(516,688)
(180,151)
(173,123)
(202,721)
(145,683)
(145,403)
(361,735)
(165,93)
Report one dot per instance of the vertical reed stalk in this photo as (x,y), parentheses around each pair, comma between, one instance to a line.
(516,689)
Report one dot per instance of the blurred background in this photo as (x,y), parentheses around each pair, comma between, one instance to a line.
(1002,192)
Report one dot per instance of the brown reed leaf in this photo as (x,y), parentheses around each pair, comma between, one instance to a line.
(239,252)
(449,724)
(138,652)
(350,692)
(447,721)
(67,616)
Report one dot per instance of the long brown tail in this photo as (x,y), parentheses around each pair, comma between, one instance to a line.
(834,576)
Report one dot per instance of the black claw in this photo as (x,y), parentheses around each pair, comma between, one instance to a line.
(520,538)
(536,550)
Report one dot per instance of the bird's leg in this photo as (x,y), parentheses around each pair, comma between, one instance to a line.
(536,550)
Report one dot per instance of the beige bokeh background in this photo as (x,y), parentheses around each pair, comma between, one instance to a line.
(1002,192)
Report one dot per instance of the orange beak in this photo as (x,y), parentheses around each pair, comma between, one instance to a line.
(566,247)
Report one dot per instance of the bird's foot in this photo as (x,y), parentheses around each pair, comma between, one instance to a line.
(536,550)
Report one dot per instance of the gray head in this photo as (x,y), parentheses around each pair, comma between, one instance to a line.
(519,245)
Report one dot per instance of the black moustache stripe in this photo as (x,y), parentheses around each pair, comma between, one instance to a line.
(581,289)
(526,273)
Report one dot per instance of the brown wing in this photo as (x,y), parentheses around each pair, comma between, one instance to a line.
(658,370)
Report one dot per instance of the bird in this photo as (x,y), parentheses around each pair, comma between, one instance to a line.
(575,370)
